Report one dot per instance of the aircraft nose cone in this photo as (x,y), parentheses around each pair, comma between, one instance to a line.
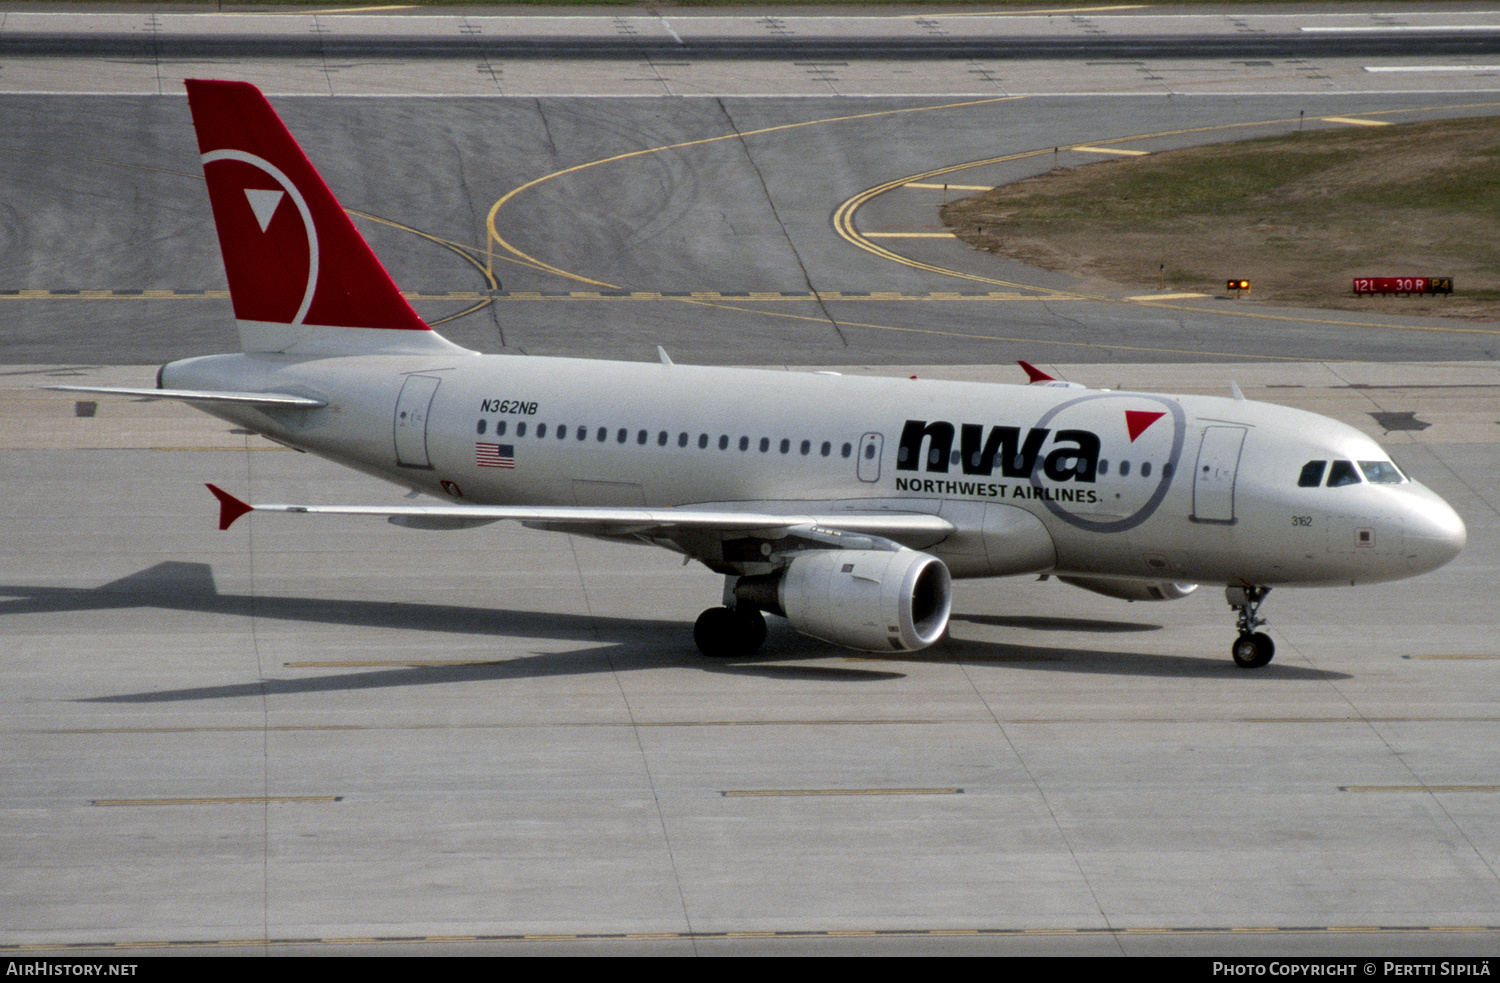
(1434,534)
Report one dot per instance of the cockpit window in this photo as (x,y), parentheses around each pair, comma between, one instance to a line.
(1381,472)
(1312,474)
(1342,473)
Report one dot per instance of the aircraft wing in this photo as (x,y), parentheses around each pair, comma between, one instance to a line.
(277,400)
(611,521)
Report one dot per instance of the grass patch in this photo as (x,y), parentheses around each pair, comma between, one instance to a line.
(1299,215)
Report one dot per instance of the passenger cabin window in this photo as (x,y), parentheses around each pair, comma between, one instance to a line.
(1312,474)
(1342,473)
(1381,472)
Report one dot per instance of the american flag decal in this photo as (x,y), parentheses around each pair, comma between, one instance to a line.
(494,455)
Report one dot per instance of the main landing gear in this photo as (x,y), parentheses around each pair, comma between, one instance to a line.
(1252,649)
(735,631)
(730,632)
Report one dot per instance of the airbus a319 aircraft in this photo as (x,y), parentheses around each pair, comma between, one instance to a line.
(844,505)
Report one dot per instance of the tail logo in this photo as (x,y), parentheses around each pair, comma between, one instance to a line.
(1139,480)
(284,260)
(263,204)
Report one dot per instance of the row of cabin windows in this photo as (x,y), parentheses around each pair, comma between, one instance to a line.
(1122,468)
(663,438)
(1348,473)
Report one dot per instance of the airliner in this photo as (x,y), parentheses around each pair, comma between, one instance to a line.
(845,505)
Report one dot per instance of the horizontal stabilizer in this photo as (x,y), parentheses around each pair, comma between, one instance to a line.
(275,400)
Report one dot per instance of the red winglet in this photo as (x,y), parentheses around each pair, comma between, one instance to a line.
(230,508)
(1034,374)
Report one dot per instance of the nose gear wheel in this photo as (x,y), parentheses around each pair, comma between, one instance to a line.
(1252,649)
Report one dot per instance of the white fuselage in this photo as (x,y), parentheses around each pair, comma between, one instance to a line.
(1088,483)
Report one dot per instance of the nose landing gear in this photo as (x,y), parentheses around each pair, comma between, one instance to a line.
(1252,649)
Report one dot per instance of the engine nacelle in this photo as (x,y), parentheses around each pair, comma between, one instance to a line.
(1133,590)
(869,600)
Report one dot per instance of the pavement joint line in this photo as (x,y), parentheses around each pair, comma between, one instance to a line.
(915,722)
(754,296)
(219,800)
(894,933)
(793,792)
(1419,788)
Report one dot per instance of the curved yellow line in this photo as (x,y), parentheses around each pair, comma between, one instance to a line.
(844,223)
(456,247)
(496,239)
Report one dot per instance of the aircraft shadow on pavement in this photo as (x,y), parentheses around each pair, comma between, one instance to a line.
(622,644)
(1209,665)
(1040,623)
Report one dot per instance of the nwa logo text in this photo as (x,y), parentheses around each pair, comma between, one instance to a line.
(1071,455)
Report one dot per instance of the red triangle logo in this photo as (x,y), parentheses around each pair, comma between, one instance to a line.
(1136,421)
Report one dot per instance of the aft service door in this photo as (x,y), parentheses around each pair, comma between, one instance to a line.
(1213,478)
(412,408)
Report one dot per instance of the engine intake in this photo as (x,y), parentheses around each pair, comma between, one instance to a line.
(869,600)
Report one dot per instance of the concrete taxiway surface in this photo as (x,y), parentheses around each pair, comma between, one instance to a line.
(336,735)
(310,729)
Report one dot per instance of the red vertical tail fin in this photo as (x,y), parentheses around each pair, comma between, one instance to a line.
(301,277)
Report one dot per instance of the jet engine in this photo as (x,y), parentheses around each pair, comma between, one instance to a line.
(1133,590)
(869,600)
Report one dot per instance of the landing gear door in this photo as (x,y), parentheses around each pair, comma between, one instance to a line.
(412,408)
(870,446)
(1213,478)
